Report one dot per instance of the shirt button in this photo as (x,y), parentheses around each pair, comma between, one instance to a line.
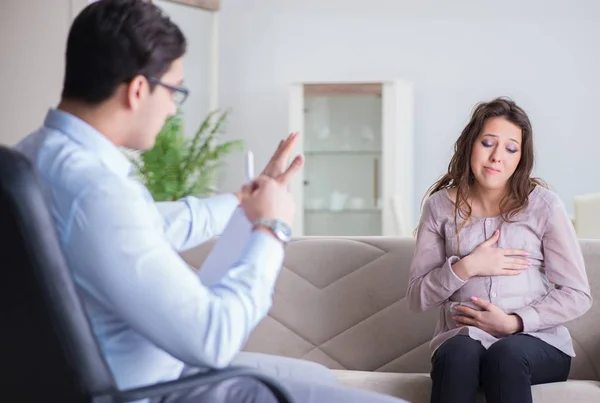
(494,294)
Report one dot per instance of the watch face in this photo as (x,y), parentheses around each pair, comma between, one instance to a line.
(283,229)
(287,231)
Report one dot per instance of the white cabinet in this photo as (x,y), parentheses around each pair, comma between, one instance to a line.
(357,139)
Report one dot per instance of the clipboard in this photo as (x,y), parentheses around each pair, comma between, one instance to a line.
(228,248)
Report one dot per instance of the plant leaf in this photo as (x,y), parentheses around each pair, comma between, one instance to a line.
(177,167)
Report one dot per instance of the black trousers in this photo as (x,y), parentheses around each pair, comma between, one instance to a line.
(506,371)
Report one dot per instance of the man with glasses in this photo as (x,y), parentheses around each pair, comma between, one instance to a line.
(153,319)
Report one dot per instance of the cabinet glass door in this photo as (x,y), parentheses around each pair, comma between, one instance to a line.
(343,151)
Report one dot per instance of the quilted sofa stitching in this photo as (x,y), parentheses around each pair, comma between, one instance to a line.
(366,265)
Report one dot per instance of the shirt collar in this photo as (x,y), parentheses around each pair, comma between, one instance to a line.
(81,132)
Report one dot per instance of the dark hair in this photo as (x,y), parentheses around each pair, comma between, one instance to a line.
(113,41)
(460,175)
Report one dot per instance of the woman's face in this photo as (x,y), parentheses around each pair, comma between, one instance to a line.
(496,153)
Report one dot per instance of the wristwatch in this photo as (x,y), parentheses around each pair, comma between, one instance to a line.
(280,229)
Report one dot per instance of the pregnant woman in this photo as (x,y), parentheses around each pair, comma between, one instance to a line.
(497,251)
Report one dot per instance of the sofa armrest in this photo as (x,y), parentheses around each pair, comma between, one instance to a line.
(585,330)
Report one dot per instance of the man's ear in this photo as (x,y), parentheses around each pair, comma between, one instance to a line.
(137,90)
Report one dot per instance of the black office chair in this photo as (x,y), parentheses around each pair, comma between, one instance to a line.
(47,350)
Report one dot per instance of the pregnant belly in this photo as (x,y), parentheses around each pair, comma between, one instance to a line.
(509,293)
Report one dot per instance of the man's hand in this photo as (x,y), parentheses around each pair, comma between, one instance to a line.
(278,168)
(492,319)
(268,198)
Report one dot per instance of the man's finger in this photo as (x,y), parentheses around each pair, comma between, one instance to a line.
(286,149)
(275,155)
(281,156)
(294,167)
(247,189)
(277,150)
(261,181)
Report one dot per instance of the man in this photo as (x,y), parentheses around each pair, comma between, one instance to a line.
(154,320)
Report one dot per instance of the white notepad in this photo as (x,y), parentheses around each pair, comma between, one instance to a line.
(227,249)
(229,246)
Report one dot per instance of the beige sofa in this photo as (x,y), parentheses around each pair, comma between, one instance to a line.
(340,302)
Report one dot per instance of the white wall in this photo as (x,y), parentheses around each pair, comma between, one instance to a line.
(544,54)
(196,26)
(33,36)
(32,44)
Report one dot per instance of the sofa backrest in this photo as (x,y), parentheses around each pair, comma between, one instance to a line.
(340,301)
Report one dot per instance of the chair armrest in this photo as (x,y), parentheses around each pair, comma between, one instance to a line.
(206,378)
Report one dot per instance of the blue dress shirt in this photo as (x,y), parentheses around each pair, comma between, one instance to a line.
(149,311)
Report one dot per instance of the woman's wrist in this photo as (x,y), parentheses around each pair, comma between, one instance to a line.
(462,269)
(516,324)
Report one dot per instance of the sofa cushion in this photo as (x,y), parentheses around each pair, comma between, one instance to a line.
(416,388)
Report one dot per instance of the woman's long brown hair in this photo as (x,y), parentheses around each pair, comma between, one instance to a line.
(460,175)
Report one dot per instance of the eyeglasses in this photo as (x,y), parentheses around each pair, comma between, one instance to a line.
(180,93)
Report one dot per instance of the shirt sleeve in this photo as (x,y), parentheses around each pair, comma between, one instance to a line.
(570,295)
(431,280)
(192,220)
(124,260)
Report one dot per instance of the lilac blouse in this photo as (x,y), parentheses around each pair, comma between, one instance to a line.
(552,291)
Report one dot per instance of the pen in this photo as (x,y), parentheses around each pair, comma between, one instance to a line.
(249,166)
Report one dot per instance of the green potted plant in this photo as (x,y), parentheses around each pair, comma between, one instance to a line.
(177,166)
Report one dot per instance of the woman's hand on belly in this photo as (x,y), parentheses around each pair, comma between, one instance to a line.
(490,319)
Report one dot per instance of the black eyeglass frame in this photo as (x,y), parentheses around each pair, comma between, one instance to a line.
(175,88)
